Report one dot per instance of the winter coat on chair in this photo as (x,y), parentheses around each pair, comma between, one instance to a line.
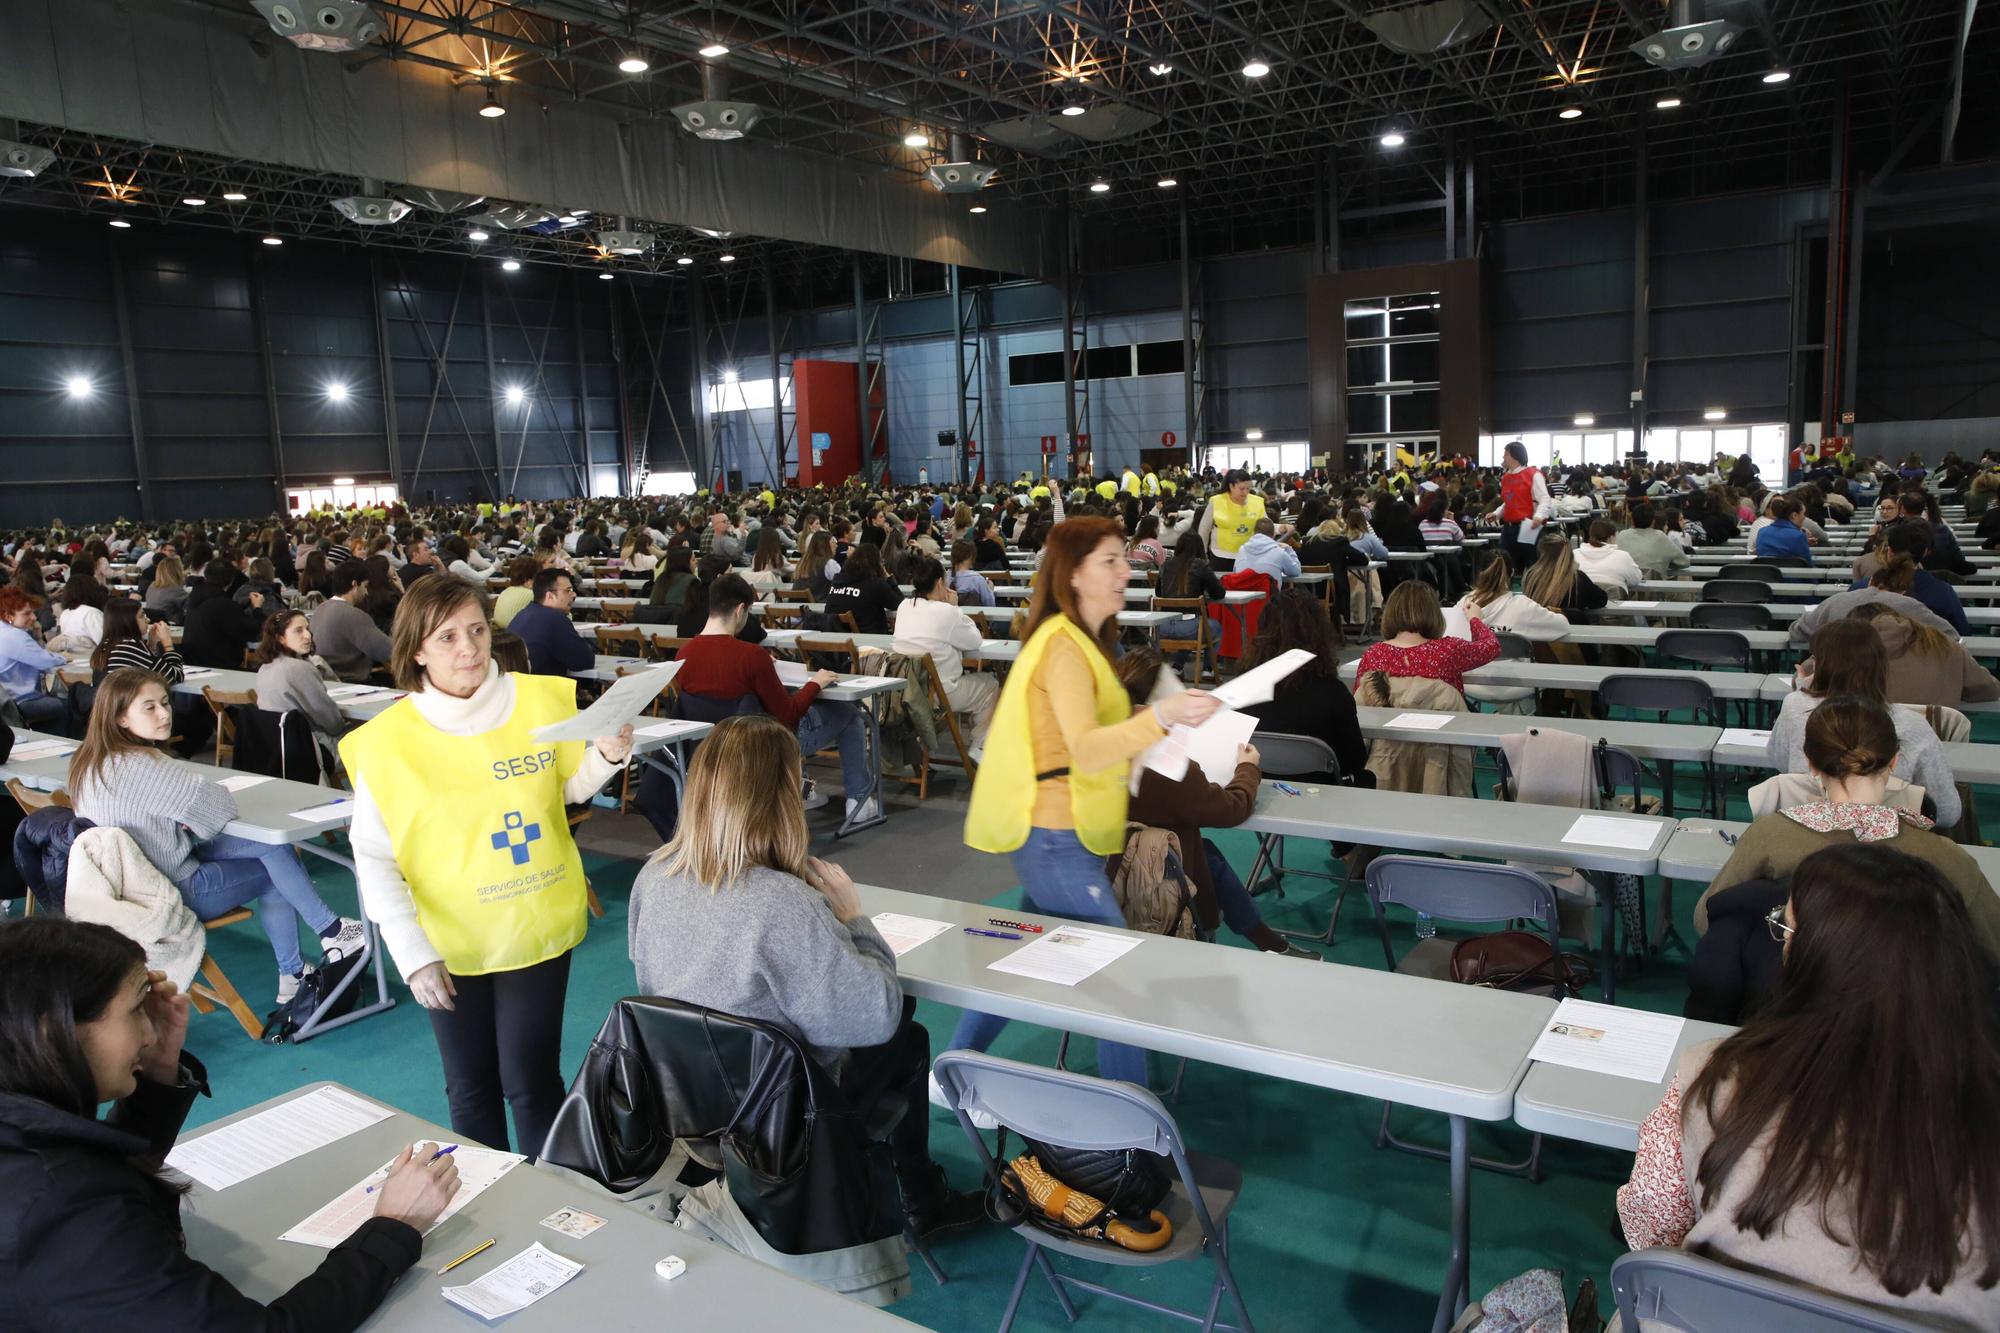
(113,884)
(1235,622)
(41,853)
(1415,766)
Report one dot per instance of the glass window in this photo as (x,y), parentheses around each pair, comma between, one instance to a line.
(1413,411)
(1599,448)
(1367,414)
(1366,319)
(1028,368)
(1160,358)
(1565,448)
(1292,457)
(1697,446)
(1488,451)
(1663,445)
(1367,365)
(753,395)
(1108,363)
(682,483)
(1413,314)
(1537,445)
(1768,452)
(1413,363)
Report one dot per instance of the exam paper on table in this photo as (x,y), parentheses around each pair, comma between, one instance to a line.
(1743,736)
(626,699)
(478,1168)
(1611,831)
(323,814)
(904,933)
(1422,721)
(1607,1039)
(255,1144)
(1066,955)
(514,1285)
(239,781)
(1260,684)
(42,750)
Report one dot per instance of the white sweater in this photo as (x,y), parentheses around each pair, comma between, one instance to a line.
(385,894)
(1610,567)
(1519,614)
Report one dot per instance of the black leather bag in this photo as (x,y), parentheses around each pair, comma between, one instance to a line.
(1131,1182)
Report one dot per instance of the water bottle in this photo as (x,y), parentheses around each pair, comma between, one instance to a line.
(1426,928)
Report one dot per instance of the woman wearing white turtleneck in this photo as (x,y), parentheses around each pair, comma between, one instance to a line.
(464,858)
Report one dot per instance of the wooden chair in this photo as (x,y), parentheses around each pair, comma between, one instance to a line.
(219,703)
(667,646)
(799,595)
(216,989)
(942,706)
(618,610)
(1198,645)
(783,617)
(847,619)
(810,644)
(623,640)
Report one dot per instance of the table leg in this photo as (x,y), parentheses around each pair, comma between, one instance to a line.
(847,823)
(1607,934)
(1457,1291)
(315,1025)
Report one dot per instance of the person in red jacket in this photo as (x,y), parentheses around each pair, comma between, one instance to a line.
(1525,505)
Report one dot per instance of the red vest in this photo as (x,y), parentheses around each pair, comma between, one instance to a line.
(1517,489)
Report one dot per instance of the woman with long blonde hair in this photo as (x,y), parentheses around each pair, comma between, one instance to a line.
(1556,582)
(733,915)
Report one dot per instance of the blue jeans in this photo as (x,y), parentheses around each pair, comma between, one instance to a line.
(1238,912)
(38,707)
(235,871)
(1062,877)
(829,722)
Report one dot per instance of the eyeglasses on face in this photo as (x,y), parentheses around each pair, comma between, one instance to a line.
(1775,919)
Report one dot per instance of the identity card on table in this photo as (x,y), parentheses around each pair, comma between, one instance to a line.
(478,1168)
(627,697)
(1611,831)
(1066,955)
(514,1285)
(1608,1039)
(904,933)
(272,1137)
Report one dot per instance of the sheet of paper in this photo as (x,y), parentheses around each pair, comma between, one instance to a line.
(348,691)
(478,1168)
(1213,744)
(196,673)
(1755,740)
(255,1144)
(1066,955)
(42,749)
(1631,606)
(238,781)
(627,697)
(1422,721)
(989,646)
(667,728)
(1608,1039)
(1457,624)
(325,814)
(514,1285)
(904,933)
(1259,684)
(791,675)
(1611,831)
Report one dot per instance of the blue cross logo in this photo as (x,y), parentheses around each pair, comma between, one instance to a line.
(515,837)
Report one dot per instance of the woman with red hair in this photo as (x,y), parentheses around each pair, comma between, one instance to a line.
(23,659)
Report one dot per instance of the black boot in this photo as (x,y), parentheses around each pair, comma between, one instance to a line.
(932,1207)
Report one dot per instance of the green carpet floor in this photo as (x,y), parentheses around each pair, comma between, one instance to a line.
(1330,1233)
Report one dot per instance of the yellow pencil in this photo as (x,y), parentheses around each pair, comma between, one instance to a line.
(480,1248)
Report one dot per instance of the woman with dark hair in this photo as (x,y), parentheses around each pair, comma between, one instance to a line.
(81,620)
(385,592)
(695,612)
(91,1224)
(768,568)
(1848,1137)
(989,553)
(671,588)
(1310,701)
(290,675)
(133,639)
(1146,549)
(1051,789)
(864,590)
(315,577)
(1897,567)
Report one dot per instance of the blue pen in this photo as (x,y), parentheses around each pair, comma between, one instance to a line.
(992,934)
(441,1152)
(1287,788)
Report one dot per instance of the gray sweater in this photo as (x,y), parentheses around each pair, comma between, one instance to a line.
(294,682)
(1919,754)
(348,639)
(767,947)
(166,806)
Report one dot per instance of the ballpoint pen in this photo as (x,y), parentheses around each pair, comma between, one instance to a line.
(478,1249)
(992,934)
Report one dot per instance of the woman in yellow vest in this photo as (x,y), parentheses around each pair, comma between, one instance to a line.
(1230,519)
(1051,788)
(464,859)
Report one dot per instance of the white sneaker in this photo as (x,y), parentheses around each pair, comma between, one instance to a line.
(288,987)
(347,941)
(815,798)
(861,812)
(980,1119)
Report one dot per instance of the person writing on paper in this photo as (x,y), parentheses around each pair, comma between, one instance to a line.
(1525,505)
(1848,1137)
(463,855)
(90,1229)
(1187,806)
(1414,642)
(1051,790)
(929,623)
(121,777)
(732,915)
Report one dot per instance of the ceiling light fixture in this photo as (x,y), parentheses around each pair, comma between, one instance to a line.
(1394,139)
(1569,113)
(234,196)
(78,386)
(1100,187)
(121,224)
(1666,104)
(1778,75)
(1167,182)
(684,261)
(1253,434)
(515,393)
(274,240)
(1583,419)
(478,235)
(1255,68)
(916,139)
(1159,69)
(725,259)
(635,64)
(1074,109)
(605,277)
(336,392)
(714,51)
(511,265)
(194,202)
(977,208)
(492,110)
(1715,414)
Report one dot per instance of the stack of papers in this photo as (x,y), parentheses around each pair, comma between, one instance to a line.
(1607,1039)
(1743,736)
(42,749)
(514,1285)
(255,1144)
(478,1168)
(904,933)
(1066,955)
(1611,831)
(326,814)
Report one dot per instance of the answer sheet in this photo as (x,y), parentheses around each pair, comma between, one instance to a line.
(1066,955)
(627,697)
(1607,1039)
(1611,831)
(1754,740)
(238,781)
(904,933)
(478,1168)
(514,1285)
(1422,721)
(255,1144)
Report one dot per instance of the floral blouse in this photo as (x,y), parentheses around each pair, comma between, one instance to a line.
(1446,659)
(1655,1206)
(1868,823)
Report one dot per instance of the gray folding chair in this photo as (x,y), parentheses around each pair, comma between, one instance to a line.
(1729,615)
(1678,1290)
(1709,648)
(1281,755)
(1751,569)
(1738,589)
(1661,695)
(1463,891)
(1514,648)
(1077,1111)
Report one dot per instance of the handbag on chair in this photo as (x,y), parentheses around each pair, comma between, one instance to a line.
(1518,960)
(1097,1194)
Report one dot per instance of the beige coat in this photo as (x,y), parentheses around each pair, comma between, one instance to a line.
(1415,766)
(113,884)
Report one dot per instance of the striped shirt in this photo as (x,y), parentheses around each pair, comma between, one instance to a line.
(134,654)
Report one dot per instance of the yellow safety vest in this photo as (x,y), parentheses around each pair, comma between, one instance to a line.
(1039,493)
(1170,486)
(1108,488)
(1002,808)
(485,509)
(1150,484)
(1129,483)
(1234,523)
(478,828)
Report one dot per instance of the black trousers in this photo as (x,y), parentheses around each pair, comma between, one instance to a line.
(1519,554)
(899,1067)
(502,1048)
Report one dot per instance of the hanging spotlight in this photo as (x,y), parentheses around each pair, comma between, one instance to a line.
(492,110)
(684,260)
(714,51)
(725,259)
(78,386)
(1778,75)
(1715,414)
(274,240)
(1569,113)
(515,393)
(1100,187)
(1666,104)
(234,196)
(121,224)
(1254,68)
(605,277)
(634,64)
(1075,109)
(511,265)
(1583,419)
(1159,69)
(1167,182)
(916,139)
(194,202)
(336,392)
(478,235)
(977,208)
(1393,139)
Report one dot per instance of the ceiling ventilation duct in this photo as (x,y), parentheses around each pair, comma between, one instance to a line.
(1108,121)
(24,160)
(1691,39)
(715,116)
(371,208)
(1427,28)
(964,174)
(322,25)
(439,201)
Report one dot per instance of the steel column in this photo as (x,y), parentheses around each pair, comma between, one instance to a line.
(385,370)
(861,374)
(494,398)
(955,284)
(777,481)
(139,469)
(1836,227)
(698,389)
(1450,195)
(260,314)
(1331,263)
(626,474)
(1187,335)
(1642,287)
(1850,319)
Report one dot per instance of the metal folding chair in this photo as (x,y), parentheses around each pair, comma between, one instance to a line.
(1078,1111)
(1680,1290)
(1661,695)
(1738,589)
(1287,756)
(1729,615)
(1750,569)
